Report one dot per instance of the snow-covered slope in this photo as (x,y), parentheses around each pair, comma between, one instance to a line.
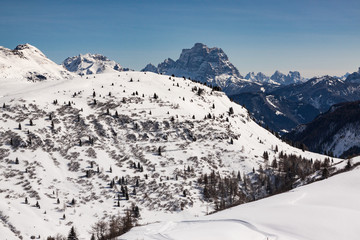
(323,210)
(92,64)
(80,128)
(28,62)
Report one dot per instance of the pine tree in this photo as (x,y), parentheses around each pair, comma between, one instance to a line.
(19,126)
(231,111)
(26,200)
(31,122)
(72,234)
(159,151)
(16,161)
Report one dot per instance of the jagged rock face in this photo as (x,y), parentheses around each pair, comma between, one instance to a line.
(92,64)
(354,77)
(206,61)
(28,62)
(276,78)
(259,77)
(150,68)
(201,63)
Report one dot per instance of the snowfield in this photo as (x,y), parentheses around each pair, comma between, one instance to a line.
(328,209)
(90,131)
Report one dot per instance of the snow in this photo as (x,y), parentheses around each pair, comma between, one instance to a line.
(268,99)
(346,138)
(85,64)
(328,209)
(118,144)
(26,61)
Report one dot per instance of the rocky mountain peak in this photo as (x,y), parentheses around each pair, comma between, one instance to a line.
(354,77)
(85,64)
(201,63)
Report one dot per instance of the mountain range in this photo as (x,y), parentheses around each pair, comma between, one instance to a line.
(285,107)
(212,66)
(80,151)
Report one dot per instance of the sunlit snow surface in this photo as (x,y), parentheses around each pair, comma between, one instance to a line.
(95,198)
(328,210)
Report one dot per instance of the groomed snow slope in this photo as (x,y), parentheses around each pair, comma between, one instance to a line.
(327,210)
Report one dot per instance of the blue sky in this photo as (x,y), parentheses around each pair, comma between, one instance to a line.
(315,37)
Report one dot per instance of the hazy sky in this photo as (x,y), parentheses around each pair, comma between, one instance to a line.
(315,37)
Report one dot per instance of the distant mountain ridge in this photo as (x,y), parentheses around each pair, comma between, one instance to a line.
(285,107)
(334,132)
(86,64)
(277,78)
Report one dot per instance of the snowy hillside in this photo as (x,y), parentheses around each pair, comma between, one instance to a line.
(323,210)
(28,62)
(155,136)
(92,64)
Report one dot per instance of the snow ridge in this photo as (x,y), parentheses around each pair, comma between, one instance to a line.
(29,63)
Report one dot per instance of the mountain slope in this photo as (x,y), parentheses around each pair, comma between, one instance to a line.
(276,112)
(321,92)
(332,132)
(91,64)
(28,62)
(314,212)
(285,107)
(85,134)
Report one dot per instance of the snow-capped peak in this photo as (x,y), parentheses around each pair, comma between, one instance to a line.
(84,64)
(28,62)
(277,78)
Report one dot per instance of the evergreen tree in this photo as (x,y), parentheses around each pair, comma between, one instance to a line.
(19,126)
(72,234)
(231,111)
